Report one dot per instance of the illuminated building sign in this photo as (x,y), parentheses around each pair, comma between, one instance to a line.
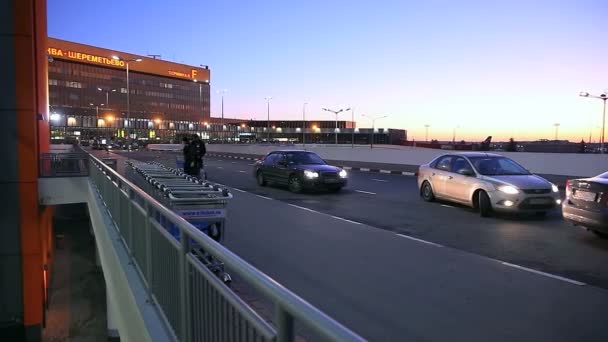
(84,57)
(192,74)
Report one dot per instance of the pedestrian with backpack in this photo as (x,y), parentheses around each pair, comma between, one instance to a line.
(195,152)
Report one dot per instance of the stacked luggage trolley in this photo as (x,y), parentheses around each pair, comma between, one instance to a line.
(199,202)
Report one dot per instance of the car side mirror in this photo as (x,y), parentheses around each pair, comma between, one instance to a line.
(466,172)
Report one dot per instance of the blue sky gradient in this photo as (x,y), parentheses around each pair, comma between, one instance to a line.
(511,68)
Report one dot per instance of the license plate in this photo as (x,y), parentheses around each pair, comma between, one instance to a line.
(584,195)
(539,201)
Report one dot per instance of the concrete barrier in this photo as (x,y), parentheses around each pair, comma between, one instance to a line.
(563,164)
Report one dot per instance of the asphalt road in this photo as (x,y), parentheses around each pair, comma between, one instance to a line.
(390,287)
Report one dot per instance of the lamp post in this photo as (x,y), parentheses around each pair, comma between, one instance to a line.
(352,138)
(222,92)
(107,95)
(304,125)
(336,112)
(556,125)
(373,126)
(426,133)
(268,98)
(127,60)
(602,97)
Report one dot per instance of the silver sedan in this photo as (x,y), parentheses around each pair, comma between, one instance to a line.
(487,182)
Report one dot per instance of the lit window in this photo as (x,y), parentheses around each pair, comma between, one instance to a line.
(123,90)
(53,82)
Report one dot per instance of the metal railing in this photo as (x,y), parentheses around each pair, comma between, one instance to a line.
(196,305)
(63,165)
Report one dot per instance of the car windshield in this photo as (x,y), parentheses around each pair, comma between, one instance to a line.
(497,166)
(303,158)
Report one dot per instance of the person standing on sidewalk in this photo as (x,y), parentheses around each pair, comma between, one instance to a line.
(196,152)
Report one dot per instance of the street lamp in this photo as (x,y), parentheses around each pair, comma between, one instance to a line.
(304,125)
(222,92)
(107,95)
(556,125)
(96,111)
(127,60)
(426,133)
(602,97)
(268,98)
(373,126)
(336,112)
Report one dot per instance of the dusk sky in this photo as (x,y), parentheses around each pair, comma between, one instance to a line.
(508,68)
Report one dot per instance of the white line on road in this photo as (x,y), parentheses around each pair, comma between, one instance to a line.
(303,208)
(239,190)
(379,180)
(446,206)
(385,171)
(241,171)
(543,273)
(366,192)
(346,220)
(408,173)
(420,240)
(264,197)
(219,167)
(233,162)
(251,164)
(364,169)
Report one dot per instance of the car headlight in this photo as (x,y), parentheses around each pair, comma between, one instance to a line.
(310,174)
(507,189)
(554,188)
(343,174)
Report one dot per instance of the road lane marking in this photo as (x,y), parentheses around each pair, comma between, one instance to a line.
(241,171)
(303,208)
(364,169)
(446,206)
(366,192)
(251,164)
(233,162)
(571,281)
(379,180)
(420,240)
(219,167)
(408,173)
(346,220)
(239,190)
(385,171)
(264,197)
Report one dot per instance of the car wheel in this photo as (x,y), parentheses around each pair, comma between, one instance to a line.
(261,179)
(485,207)
(295,184)
(427,192)
(600,234)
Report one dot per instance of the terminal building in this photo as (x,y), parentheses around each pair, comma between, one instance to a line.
(100,93)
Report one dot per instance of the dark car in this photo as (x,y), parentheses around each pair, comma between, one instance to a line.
(586,203)
(299,170)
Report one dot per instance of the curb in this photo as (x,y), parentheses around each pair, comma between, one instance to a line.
(349,168)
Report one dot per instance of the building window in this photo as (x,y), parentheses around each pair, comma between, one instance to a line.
(74,97)
(123,90)
(53,82)
(73,84)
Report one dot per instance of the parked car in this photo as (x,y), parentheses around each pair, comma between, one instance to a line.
(586,203)
(299,170)
(486,182)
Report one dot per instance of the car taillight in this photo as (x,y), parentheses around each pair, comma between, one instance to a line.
(568,188)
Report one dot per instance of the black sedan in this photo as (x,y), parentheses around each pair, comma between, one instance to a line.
(586,203)
(299,170)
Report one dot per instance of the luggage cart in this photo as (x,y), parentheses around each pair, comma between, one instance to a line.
(201,203)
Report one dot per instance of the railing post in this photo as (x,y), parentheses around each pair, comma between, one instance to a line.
(184,285)
(285,331)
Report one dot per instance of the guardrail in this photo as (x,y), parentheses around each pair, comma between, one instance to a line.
(196,305)
(63,165)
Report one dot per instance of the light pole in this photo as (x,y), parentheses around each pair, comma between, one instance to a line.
(371,145)
(268,98)
(304,125)
(556,125)
(602,97)
(222,92)
(352,138)
(107,95)
(127,60)
(426,133)
(336,112)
